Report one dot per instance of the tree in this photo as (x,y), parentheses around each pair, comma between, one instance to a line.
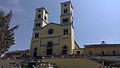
(6,33)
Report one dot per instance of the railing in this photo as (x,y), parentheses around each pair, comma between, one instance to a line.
(65,56)
(94,59)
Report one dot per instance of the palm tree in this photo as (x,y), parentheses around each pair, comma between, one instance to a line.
(6,33)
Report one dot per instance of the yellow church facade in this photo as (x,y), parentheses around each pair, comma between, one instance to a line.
(53,46)
(53,38)
(56,43)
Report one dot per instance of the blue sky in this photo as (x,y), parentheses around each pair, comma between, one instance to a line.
(94,20)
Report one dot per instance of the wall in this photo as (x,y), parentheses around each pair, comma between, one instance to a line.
(108,50)
(9,63)
(74,63)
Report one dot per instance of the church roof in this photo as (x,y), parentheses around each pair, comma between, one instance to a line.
(77,44)
(103,45)
(67,2)
(56,24)
(42,8)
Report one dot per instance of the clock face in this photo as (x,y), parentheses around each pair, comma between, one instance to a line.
(50,31)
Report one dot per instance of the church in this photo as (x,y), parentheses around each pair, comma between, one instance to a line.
(52,38)
(56,43)
(53,46)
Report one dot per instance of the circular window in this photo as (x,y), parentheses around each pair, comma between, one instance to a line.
(39,10)
(50,31)
(65,4)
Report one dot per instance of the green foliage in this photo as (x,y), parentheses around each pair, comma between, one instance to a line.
(6,33)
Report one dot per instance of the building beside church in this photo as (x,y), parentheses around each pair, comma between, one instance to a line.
(53,38)
(102,49)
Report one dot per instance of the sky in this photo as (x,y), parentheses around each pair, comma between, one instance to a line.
(94,20)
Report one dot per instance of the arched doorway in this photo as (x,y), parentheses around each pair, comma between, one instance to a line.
(49,48)
(35,52)
(64,50)
(78,52)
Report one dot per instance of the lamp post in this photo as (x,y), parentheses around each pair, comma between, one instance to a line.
(102,53)
(85,51)
(117,51)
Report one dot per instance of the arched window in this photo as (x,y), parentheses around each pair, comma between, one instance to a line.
(35,52)
(65,11)
(114,52)
(49,48)
(35,49)
(49,44)
(78,52)
(36,35)
(64,47)
(64,50)
(39,16)
(65,20)
(65,32)
(45,17)
(38,24)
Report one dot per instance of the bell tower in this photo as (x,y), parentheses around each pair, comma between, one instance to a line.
(66,13)
(66,20)
(41,18)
